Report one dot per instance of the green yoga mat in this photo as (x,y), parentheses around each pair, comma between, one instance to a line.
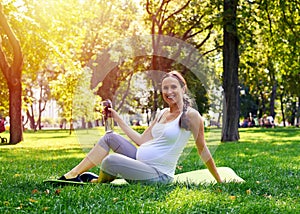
(56,182)
(202,176)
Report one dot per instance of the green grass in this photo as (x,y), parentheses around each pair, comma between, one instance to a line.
(268,159)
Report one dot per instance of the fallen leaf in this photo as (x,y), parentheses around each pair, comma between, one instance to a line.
(32,200)
(19,207)
(267,196)
(57,192)
(248,191)
(34,191)
(218,190)
(232,197)
(179,167)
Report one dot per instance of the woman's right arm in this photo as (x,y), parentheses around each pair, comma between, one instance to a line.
(197,128)
(136,137)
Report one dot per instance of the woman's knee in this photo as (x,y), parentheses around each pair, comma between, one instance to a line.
(109,163)
(118,144)
(104,141)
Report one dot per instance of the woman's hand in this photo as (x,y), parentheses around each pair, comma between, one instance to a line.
(115,115)
(137,138)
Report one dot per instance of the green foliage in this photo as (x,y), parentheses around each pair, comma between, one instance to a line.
(58,38)
(198,93)
(268,159)
(58,41)
(139,129)
(269,50)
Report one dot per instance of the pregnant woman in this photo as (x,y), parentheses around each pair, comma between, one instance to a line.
(157,150)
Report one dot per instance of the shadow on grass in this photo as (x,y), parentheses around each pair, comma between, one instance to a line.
(277,131)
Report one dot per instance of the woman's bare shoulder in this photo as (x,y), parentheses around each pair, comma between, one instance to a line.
(191,112)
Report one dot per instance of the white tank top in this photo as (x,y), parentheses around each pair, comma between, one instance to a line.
(163,151)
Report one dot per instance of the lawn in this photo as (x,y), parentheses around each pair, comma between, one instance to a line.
(268,159)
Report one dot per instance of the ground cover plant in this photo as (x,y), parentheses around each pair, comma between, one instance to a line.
(268,159)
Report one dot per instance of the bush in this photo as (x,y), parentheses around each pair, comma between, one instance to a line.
(139,129)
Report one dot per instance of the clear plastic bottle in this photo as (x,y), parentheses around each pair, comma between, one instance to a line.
(108,120)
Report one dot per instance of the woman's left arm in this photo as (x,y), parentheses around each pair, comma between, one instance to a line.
(197,128)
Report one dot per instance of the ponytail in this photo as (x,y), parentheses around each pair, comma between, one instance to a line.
(184,119)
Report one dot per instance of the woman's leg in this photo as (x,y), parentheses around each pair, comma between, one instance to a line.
(109,141)
(130,169)
(93,158)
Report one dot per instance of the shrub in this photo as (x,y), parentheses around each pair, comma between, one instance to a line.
(139,129)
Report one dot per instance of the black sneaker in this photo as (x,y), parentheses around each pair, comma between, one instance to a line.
(88,176)
(76,179)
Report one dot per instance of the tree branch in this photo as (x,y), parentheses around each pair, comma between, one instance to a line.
(212,50)
(186,34)
(147,7)
(176,12)
(18,57)
(4,65)
(206,38)
(126,92)
(269,19)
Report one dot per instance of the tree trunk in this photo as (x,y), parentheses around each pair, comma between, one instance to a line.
(155,77)
(282,109)
(230,75)
(40,109)
(298,113)
(274,88)
(31,118)
(294,111)
(272,101)
(12,73)
(263,103)
(15,104)
(71,123)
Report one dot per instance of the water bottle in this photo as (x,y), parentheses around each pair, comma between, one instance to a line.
(108,120)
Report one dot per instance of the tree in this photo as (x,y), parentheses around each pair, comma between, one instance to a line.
(110,20)
(230,74)
(37,93)
(289,60)
(69,80)
(86,105)
(12,72)
(191,22)
(270,53)
(66,43)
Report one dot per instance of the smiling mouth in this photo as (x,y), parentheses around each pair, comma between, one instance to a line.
(171,97)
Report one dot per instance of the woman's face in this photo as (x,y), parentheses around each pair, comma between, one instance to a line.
(172,91)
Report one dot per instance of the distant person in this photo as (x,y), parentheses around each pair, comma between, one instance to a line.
(158,148)
(271,120)
(251,122)
(245,122)
(2,125)
(267,121)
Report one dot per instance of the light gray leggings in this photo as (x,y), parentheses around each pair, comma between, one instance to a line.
(124,163)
